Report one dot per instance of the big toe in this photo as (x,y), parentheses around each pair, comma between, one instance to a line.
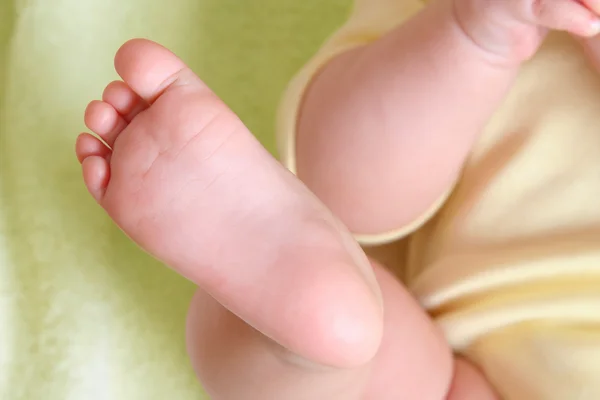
(149,69)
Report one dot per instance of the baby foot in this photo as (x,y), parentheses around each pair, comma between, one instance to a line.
(186,180)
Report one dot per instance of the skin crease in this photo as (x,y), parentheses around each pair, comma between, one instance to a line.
(298,311)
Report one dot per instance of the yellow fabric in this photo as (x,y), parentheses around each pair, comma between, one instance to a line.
(509,264)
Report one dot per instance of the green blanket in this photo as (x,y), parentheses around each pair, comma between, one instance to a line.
(84,314)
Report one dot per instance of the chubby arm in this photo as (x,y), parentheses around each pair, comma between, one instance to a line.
(385,129)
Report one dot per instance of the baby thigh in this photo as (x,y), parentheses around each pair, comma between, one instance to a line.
(415,361)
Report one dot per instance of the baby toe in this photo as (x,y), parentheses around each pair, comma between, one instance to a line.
(88,146)
(149,69)
(124,100)
(102,119)
(96,174)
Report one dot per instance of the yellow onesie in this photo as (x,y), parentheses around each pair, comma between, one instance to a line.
(509,263)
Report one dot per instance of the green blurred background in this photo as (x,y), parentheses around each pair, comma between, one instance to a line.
(84,314)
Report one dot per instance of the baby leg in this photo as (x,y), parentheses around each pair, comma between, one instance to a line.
(289,306)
